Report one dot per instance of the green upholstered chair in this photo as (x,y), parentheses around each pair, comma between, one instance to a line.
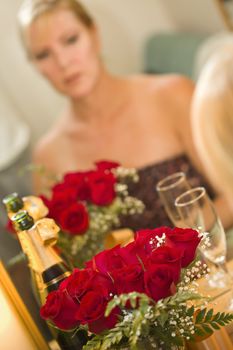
(172,53)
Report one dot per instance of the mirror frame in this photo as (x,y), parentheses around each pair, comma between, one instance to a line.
(18,316)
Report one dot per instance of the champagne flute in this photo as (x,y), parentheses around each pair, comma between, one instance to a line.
(169,189)
(197,211)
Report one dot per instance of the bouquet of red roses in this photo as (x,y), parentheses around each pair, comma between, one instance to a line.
(88,205)
(137,294)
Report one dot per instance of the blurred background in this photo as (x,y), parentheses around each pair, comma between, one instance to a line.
(152,36)
(125,27)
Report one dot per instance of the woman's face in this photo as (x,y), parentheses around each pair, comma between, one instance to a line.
(65,51)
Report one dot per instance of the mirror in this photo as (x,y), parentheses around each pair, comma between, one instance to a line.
(226,9)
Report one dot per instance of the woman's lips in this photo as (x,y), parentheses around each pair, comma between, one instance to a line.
(72,79)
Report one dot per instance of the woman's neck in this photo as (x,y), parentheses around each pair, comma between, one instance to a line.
(108,96)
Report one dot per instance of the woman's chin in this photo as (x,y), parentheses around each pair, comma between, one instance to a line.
(79,92)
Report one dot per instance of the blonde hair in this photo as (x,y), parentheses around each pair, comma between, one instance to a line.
(212,118)
(208,48)
(30,10)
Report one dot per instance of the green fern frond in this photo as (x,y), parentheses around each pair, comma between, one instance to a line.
(182,297)
(190,311)
(206,322)
(136,328)
(133,298)
(94,344)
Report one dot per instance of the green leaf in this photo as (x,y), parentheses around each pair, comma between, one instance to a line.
(215,325)
(200,316)
(209,315)
(178,340)
(122,299)
(111,305)
(109,341)
(207,329)
(163,318)
(136,328)
(199,331)
(190,311)
(130,331)
(93,344)
(182,297)
(133,302)
(216,316)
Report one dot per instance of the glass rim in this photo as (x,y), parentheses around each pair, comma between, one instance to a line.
(180,176)
(202,191)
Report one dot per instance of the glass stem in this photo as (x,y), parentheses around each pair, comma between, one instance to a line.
(229,278)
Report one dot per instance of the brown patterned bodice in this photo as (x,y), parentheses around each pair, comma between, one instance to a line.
(154,214)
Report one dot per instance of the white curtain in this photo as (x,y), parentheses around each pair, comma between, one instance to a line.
(14,132)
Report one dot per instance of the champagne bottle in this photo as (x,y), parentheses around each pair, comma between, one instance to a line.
(32,204)
(13,203)
(35,208)
(46,264)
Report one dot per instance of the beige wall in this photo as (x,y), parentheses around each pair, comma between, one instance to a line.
(195,15)
(124,25)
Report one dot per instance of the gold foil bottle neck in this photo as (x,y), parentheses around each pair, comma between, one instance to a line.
(13,203)
(35,207)
(22,221)
(48,231)
(32,204)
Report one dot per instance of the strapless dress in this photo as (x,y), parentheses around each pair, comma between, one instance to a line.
(154,214)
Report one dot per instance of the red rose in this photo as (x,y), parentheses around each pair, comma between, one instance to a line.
(168,256)
(104,323)
(106,165)
(145,242)
(76,283)
(93,295)
(107,260)
(93,290)
(129,279)
(186,240)
(79,183)
(74,219)
(74,178)
(10,227)
(92,309)
(102,187)
(61,309)
(133,253)
(103,282)
(58,204)
(147,238)
(159,281)
(64,189)
(82,281)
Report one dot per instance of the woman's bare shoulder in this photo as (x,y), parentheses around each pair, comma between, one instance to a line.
(178,85)
(166,81)
(167,85)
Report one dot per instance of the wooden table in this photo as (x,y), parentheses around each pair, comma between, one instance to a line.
(222,339)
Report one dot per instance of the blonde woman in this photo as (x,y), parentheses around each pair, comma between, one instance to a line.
(140,121)
(212,119)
